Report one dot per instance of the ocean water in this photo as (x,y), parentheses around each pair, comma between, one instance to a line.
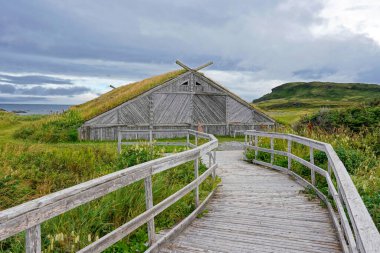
(28,109)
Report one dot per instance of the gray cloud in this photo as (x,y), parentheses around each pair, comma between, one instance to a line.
(270,40)
(7,89)
(43,91)
(39,90)
(33,79)
(314,73)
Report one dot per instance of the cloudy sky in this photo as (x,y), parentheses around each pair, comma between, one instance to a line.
(70,51)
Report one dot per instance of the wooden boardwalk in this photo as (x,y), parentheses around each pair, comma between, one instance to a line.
(257,209)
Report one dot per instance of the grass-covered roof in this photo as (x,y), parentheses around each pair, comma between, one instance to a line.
(122,94)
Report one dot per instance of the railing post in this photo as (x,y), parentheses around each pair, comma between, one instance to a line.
(196,174)
(188,139)
(256,145)
(119,142)
(33,239)
(150,137)
(149,205)
(289,153)
(196,139)
(312,162)
(272,148)
(329,167)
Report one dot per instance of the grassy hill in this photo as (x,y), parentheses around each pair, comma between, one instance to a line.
(63,127)
(290,101)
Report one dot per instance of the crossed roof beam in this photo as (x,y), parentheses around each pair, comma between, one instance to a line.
(193,70)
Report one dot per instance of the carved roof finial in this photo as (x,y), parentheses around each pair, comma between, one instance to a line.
(190,69)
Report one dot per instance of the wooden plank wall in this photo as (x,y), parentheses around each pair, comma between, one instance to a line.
(209,109)
(176,106)
(171,108)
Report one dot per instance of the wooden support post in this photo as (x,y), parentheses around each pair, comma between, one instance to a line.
(312,162)
(149,205)
(150,137)
(272,148)
(289,152)
(256,145)
(33,239)
(196,174)
(329,167)
(119,142)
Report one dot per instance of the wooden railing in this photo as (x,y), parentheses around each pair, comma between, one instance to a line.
(126,137)
(357,232)
(29,216)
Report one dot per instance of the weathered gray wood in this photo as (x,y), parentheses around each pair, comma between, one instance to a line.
(33,239)
(311,168)
(196,174)
(289,152)
(180,226)
(272,148)
(119,233)
(119,142)
(149,205)
(256,145)
(22,217)
(257,210)
(367,238)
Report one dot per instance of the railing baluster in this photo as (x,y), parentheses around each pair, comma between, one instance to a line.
(119,142)
(33,239)
(196,174)
(150,137)
(312,162)
(214,162)
(149,205)
(272,148)
(196,139)
(329,167)
(289,153)
(256,145)
(187,139)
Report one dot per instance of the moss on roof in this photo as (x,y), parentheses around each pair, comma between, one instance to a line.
(121,95)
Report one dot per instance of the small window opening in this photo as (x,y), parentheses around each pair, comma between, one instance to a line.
(185,83)
(196,83)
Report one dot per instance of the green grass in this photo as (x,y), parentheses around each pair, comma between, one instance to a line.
(30,169)
(291,101)
(121,94)
(345,115)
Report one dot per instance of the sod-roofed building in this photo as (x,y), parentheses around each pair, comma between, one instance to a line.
(184,99)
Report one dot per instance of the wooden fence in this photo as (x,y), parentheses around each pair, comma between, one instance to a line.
(357,232)
(29,216)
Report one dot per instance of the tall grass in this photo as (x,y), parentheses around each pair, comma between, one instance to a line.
(79,227)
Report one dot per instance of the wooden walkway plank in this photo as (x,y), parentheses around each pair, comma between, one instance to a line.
(257,210)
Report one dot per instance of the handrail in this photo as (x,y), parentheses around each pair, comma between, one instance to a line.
(29,216)
(364,236)
(151,133)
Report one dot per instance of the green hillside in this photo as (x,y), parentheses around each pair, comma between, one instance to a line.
(288,102)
